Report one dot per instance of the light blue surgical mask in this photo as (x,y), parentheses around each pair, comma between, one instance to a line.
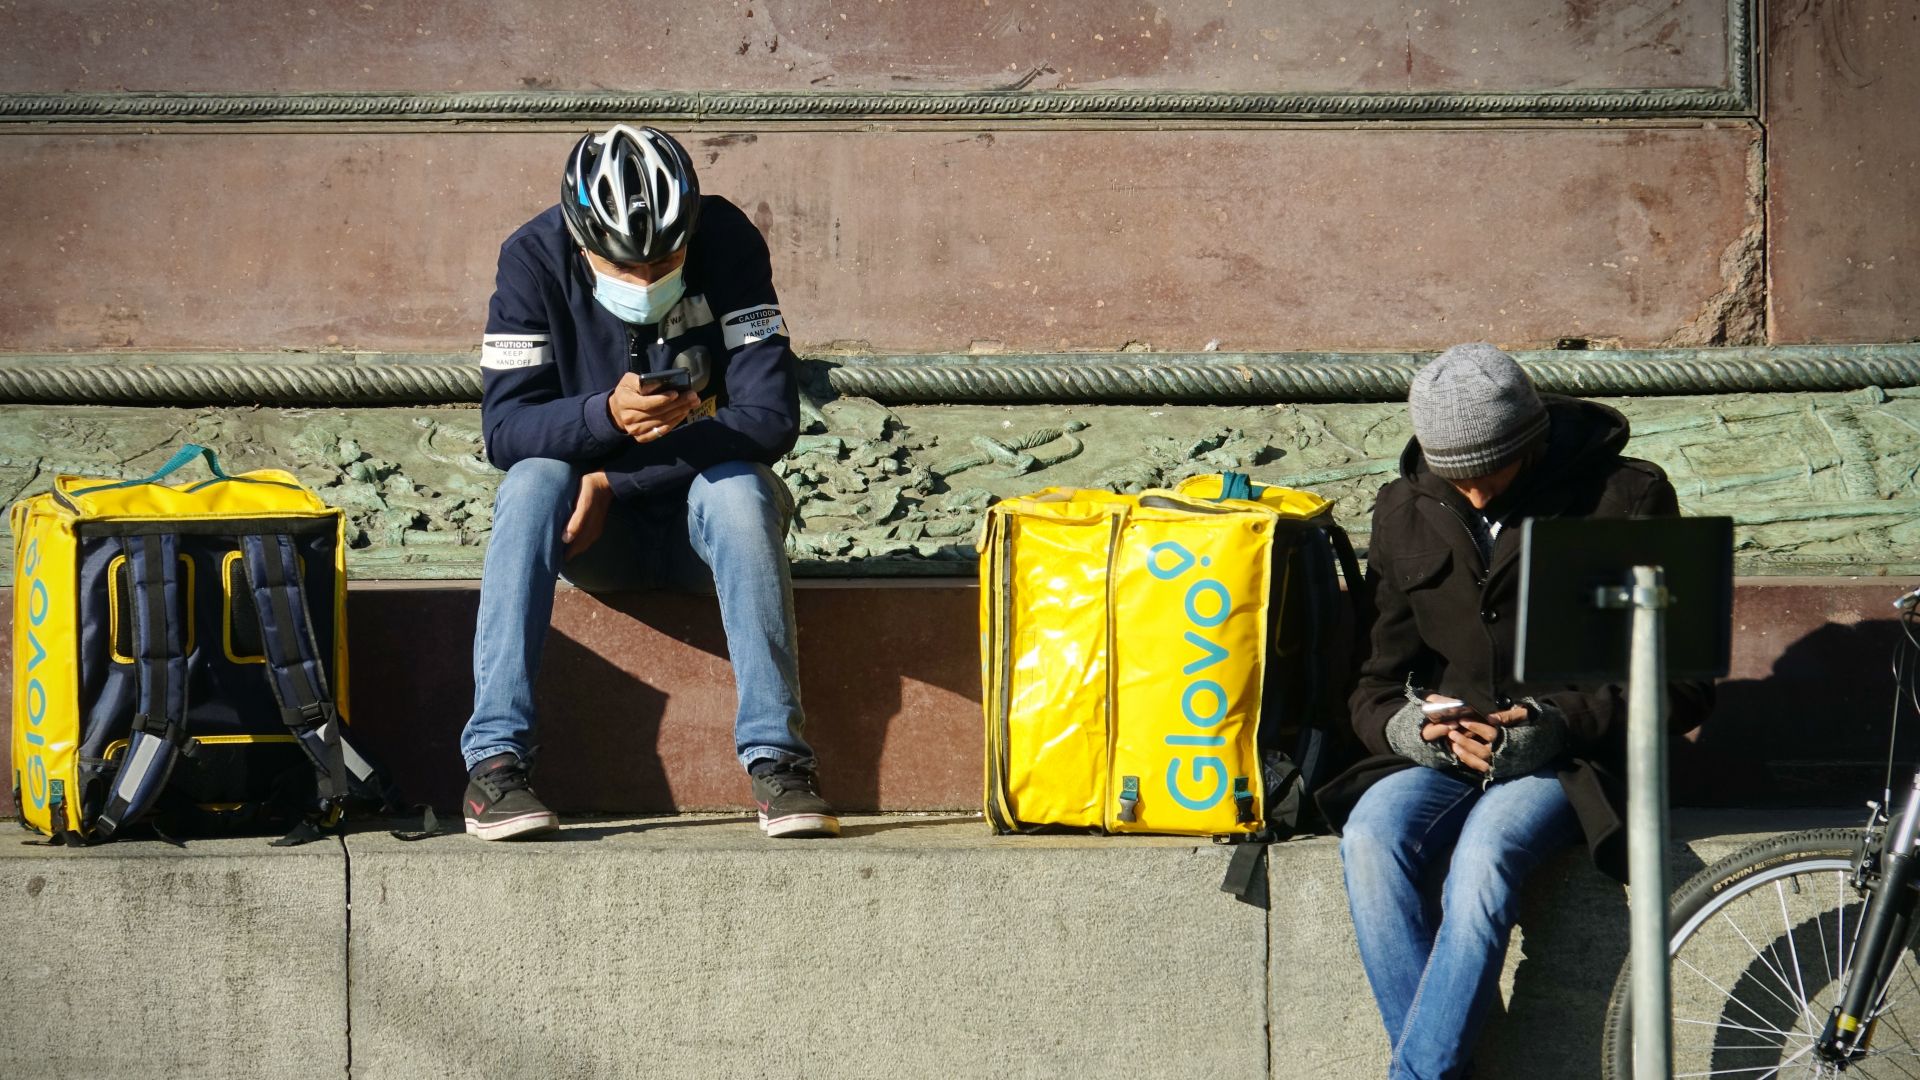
(644,304)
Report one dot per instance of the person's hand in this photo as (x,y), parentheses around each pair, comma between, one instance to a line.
(589,513)
(647,411)
(1441,724)
(1518,714)
(1472,742)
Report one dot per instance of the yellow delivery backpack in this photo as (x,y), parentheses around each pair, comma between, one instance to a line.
(180,654)
(1128,641)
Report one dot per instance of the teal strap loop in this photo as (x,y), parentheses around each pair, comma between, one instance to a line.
(1235,485)
(1129,798)
(181,457)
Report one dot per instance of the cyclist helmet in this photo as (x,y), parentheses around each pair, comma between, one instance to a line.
(630,195)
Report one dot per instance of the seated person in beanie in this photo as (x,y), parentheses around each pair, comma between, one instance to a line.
(618,481)
(1473,797)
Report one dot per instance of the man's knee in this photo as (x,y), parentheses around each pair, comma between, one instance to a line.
(738,492)
(1373,840)
(1485,877)
(535,485)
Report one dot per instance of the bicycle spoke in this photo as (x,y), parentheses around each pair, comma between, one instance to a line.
(1772,967)
(1896,1063)
(1856,940)
(1786,922)
(1728,994)
(1826,959)
(1728,1025)
(1784,1033)
(1764,1070)
(1887,1006)
(1889,1060)
(1887,998)
(1840,938)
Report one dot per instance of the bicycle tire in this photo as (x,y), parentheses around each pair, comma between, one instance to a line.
(1760,942)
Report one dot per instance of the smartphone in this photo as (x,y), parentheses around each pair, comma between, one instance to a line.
(1432,707)
(667,379)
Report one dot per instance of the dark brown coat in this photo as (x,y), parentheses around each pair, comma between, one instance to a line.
(1444,619)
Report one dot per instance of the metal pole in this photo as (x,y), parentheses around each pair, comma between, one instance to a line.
(1647,826)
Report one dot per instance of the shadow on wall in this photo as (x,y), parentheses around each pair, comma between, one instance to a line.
(411,686)
(1571,941)
(1813,731)
(636,697)
(600,727)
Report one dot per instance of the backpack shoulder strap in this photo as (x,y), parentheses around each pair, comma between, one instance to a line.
(295,672)
(160,673)
(1343,551)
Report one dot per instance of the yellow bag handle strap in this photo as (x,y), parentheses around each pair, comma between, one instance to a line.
(1237,485)
(181,457)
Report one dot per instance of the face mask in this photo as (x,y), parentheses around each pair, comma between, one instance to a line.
(643,304)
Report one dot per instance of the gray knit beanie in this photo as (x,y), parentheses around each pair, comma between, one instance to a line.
(1474,411)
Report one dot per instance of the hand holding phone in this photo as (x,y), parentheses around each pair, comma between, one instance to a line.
(667,379)
(648,410)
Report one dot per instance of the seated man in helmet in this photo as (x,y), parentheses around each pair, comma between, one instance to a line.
(617,478)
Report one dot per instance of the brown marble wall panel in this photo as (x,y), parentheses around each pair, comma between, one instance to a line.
(799,45)
(909,240)
(636,698)
(1843,170)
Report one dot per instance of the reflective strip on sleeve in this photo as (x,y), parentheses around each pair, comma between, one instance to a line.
(748,325)
(505,352)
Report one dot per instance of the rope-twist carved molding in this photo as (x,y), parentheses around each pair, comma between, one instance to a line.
(1366,377)
(929,104)
(371,379)
(79,382)
(1734,98)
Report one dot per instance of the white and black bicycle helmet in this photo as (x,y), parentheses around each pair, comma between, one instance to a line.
(630,195)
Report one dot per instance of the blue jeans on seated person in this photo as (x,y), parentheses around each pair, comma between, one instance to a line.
(1434,972)
(727,537)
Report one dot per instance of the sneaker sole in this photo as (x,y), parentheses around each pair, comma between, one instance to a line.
(801,825)
(533,824)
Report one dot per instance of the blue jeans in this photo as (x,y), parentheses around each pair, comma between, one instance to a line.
(1435,972)
(727,537)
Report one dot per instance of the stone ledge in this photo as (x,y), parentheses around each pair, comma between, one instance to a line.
(219,960)
(693,946)
(916,947)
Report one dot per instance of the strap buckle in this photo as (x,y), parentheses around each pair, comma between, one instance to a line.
(308,715)
(166,729)
(1129,798)
(1243,801)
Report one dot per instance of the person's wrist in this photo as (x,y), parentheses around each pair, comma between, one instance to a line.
(600,421)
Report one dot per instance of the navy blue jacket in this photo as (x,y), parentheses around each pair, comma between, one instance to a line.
(552,355)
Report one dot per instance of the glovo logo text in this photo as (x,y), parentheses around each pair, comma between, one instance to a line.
(1197,779)
(38,604)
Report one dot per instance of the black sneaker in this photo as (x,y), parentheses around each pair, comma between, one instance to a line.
(790,805)
(500,805)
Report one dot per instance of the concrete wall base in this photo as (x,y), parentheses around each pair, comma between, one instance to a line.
(694,947)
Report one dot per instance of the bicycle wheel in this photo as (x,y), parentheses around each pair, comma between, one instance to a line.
(1760,943)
